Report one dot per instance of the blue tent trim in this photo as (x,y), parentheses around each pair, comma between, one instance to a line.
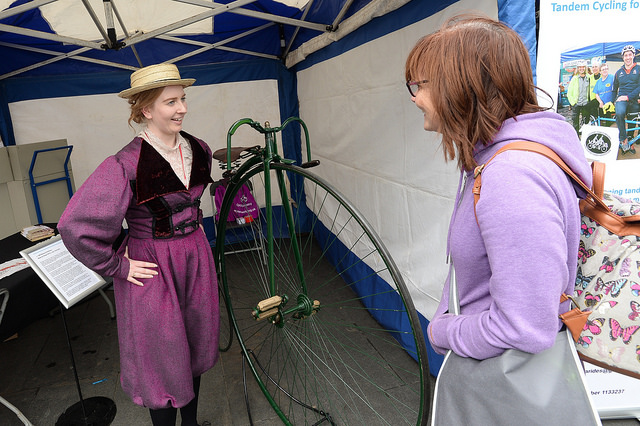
(6,127)
(42,87)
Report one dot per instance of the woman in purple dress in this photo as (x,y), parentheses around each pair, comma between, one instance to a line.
(163,273)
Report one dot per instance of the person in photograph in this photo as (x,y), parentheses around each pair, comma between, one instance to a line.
(594,76)
(164,276)
(594,71)
(603,92)
(626,87)
(579,95)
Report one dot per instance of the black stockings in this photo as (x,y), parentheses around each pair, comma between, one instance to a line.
(167,416)
(164,416)
(190,411)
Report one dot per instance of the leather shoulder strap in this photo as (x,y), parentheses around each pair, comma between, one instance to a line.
(598,169)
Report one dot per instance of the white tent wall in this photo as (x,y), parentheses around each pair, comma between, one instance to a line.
(368,136)
(96,125)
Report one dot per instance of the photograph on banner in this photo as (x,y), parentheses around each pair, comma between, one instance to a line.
(588,70)
(594,80)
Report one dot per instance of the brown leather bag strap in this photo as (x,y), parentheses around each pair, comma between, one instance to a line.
(598,170)
(550,154)
(592,205)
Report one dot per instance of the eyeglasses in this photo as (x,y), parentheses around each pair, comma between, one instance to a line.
(413,86)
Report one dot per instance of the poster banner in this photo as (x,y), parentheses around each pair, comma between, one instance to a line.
(595,44)
(586,39)
(614,395)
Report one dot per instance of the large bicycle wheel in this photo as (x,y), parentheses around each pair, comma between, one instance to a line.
(341,341)
(226,331)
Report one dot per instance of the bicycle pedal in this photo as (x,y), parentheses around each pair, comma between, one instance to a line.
(261,315)
(267,308)
(309,164)
(269,303)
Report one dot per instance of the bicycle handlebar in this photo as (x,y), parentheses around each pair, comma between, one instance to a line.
(267,131)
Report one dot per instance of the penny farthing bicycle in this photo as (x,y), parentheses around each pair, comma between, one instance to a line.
(321,312)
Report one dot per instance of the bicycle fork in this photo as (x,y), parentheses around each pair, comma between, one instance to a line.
(274,306)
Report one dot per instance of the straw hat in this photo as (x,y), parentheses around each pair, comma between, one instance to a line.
(154,76)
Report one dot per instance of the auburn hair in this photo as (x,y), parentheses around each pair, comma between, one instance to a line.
(479,75)
(140,101)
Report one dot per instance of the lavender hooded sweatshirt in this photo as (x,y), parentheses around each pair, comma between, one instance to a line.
(512,268)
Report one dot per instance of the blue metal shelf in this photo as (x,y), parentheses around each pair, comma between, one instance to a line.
(35,185)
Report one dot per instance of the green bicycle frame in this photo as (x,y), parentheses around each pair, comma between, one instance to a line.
(266,156)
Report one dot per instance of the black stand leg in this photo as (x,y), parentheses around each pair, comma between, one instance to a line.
(95,411)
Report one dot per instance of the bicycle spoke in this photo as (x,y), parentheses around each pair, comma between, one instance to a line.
(321,355)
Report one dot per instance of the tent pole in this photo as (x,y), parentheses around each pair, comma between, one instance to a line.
(57,57)
(23,8)
(207,46)
(343,11)
(126,33)
(49,36)
(94,17)
(297,30)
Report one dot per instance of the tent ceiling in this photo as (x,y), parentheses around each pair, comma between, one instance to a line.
(45,37)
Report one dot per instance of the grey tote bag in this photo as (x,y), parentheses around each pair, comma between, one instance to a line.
(515,388)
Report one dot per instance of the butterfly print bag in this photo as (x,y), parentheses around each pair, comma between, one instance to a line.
(605,323)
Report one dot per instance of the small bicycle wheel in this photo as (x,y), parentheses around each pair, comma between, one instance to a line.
(341,341)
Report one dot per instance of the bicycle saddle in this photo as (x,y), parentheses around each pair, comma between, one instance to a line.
(236,153)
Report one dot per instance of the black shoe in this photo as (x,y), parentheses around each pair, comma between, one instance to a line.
(632,150)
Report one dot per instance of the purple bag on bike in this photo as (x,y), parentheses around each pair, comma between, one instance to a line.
(244,205)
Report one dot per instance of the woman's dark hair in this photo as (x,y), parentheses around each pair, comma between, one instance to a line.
(479,75)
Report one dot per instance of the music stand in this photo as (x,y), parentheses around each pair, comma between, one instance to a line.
(94,411)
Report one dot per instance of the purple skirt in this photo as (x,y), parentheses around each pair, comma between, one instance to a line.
(168,329)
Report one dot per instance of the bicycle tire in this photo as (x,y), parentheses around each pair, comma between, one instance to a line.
(226,331)
(333,362)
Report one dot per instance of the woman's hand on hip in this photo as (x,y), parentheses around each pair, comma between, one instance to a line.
(139,269)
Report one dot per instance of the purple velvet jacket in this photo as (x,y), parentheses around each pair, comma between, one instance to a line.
(138,185)
(513,265)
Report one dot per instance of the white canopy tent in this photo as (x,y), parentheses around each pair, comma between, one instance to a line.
(83,25)
(339,65)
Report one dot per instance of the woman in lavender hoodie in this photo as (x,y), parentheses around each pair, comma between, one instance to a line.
(472,80)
